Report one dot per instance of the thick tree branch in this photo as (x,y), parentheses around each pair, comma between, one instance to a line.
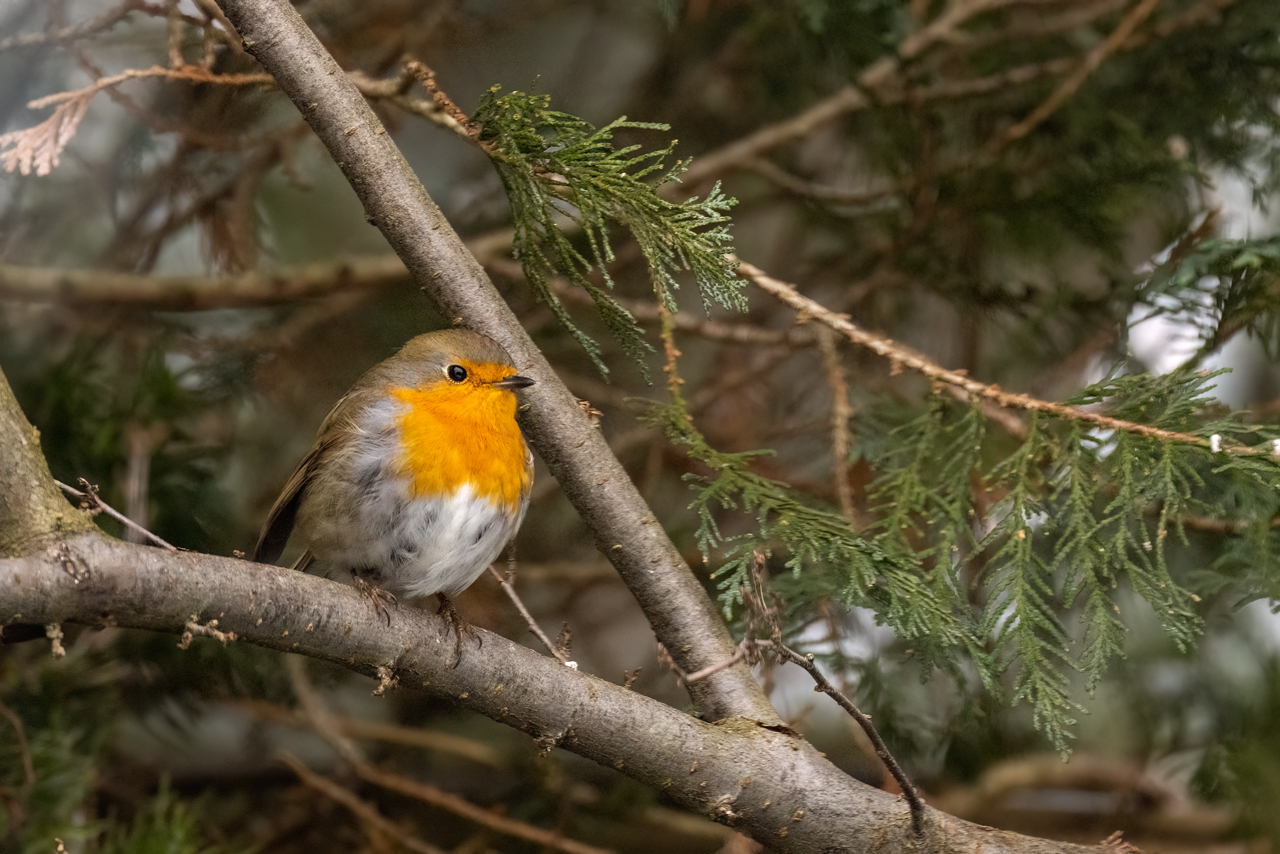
(681,613)
(32,510)
(763,781)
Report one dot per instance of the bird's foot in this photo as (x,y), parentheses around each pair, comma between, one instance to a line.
(382,599)
(460,627)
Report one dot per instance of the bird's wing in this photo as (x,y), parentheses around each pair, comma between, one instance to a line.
(304,561)
(279,524)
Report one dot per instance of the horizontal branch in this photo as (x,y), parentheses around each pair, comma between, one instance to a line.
(188,73)
(762,781)
(199,293)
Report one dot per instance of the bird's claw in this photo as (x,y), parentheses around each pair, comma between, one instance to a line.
(460,627)
(382,600)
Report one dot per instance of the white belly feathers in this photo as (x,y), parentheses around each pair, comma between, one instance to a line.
(410,546)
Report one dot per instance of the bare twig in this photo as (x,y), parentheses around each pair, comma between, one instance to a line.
(360,728)
(188,73)
(665,659)
(908,788)
(906,357)
(173,19)
(486,818)
(880,78)
(945,27)
(738,654)
(841,414)
(91,501)
(445,104)
(650,311)
(142,443)
(1072,84)
(89,28)
(317,712)
(1038,23)
(324,722)
(715,163)
(395,91)
(362,809)
(508,586)
(821,192)
(24,747)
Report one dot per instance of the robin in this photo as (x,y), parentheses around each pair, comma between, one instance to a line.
(419,475)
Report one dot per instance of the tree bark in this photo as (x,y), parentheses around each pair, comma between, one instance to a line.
(32,509)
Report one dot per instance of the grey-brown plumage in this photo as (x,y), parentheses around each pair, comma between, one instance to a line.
(355,508)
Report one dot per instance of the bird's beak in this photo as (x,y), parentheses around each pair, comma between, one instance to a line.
(512,382)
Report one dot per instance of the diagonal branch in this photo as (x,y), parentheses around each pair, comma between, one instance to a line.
(904,356)
(821,683)
(682,615)
(1092,62)
(359,807)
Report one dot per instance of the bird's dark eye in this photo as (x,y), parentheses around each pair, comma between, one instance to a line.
(457,373)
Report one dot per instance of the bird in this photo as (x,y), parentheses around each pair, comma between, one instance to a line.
(419,475)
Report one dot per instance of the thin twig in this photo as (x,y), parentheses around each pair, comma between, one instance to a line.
(879,77)
(1077,15)
(738,655)
(904,356)
(325,723)
(362,809)
(665,659)
(908,788)
(351,727)
(944,27)
(1072,84)
(509,587)
(841,414)
(486,818)
(395,91)
(317,712)
(189,73)
(24,747)
(175,24)
(650,311)
(867,199)
(83,30)
(91,501)
(201,293)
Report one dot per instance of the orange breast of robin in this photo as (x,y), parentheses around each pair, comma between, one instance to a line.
(453,434)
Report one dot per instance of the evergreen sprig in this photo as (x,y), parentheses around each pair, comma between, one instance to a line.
(1222,287)
(1074,512)
(557,167)
(923,607)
